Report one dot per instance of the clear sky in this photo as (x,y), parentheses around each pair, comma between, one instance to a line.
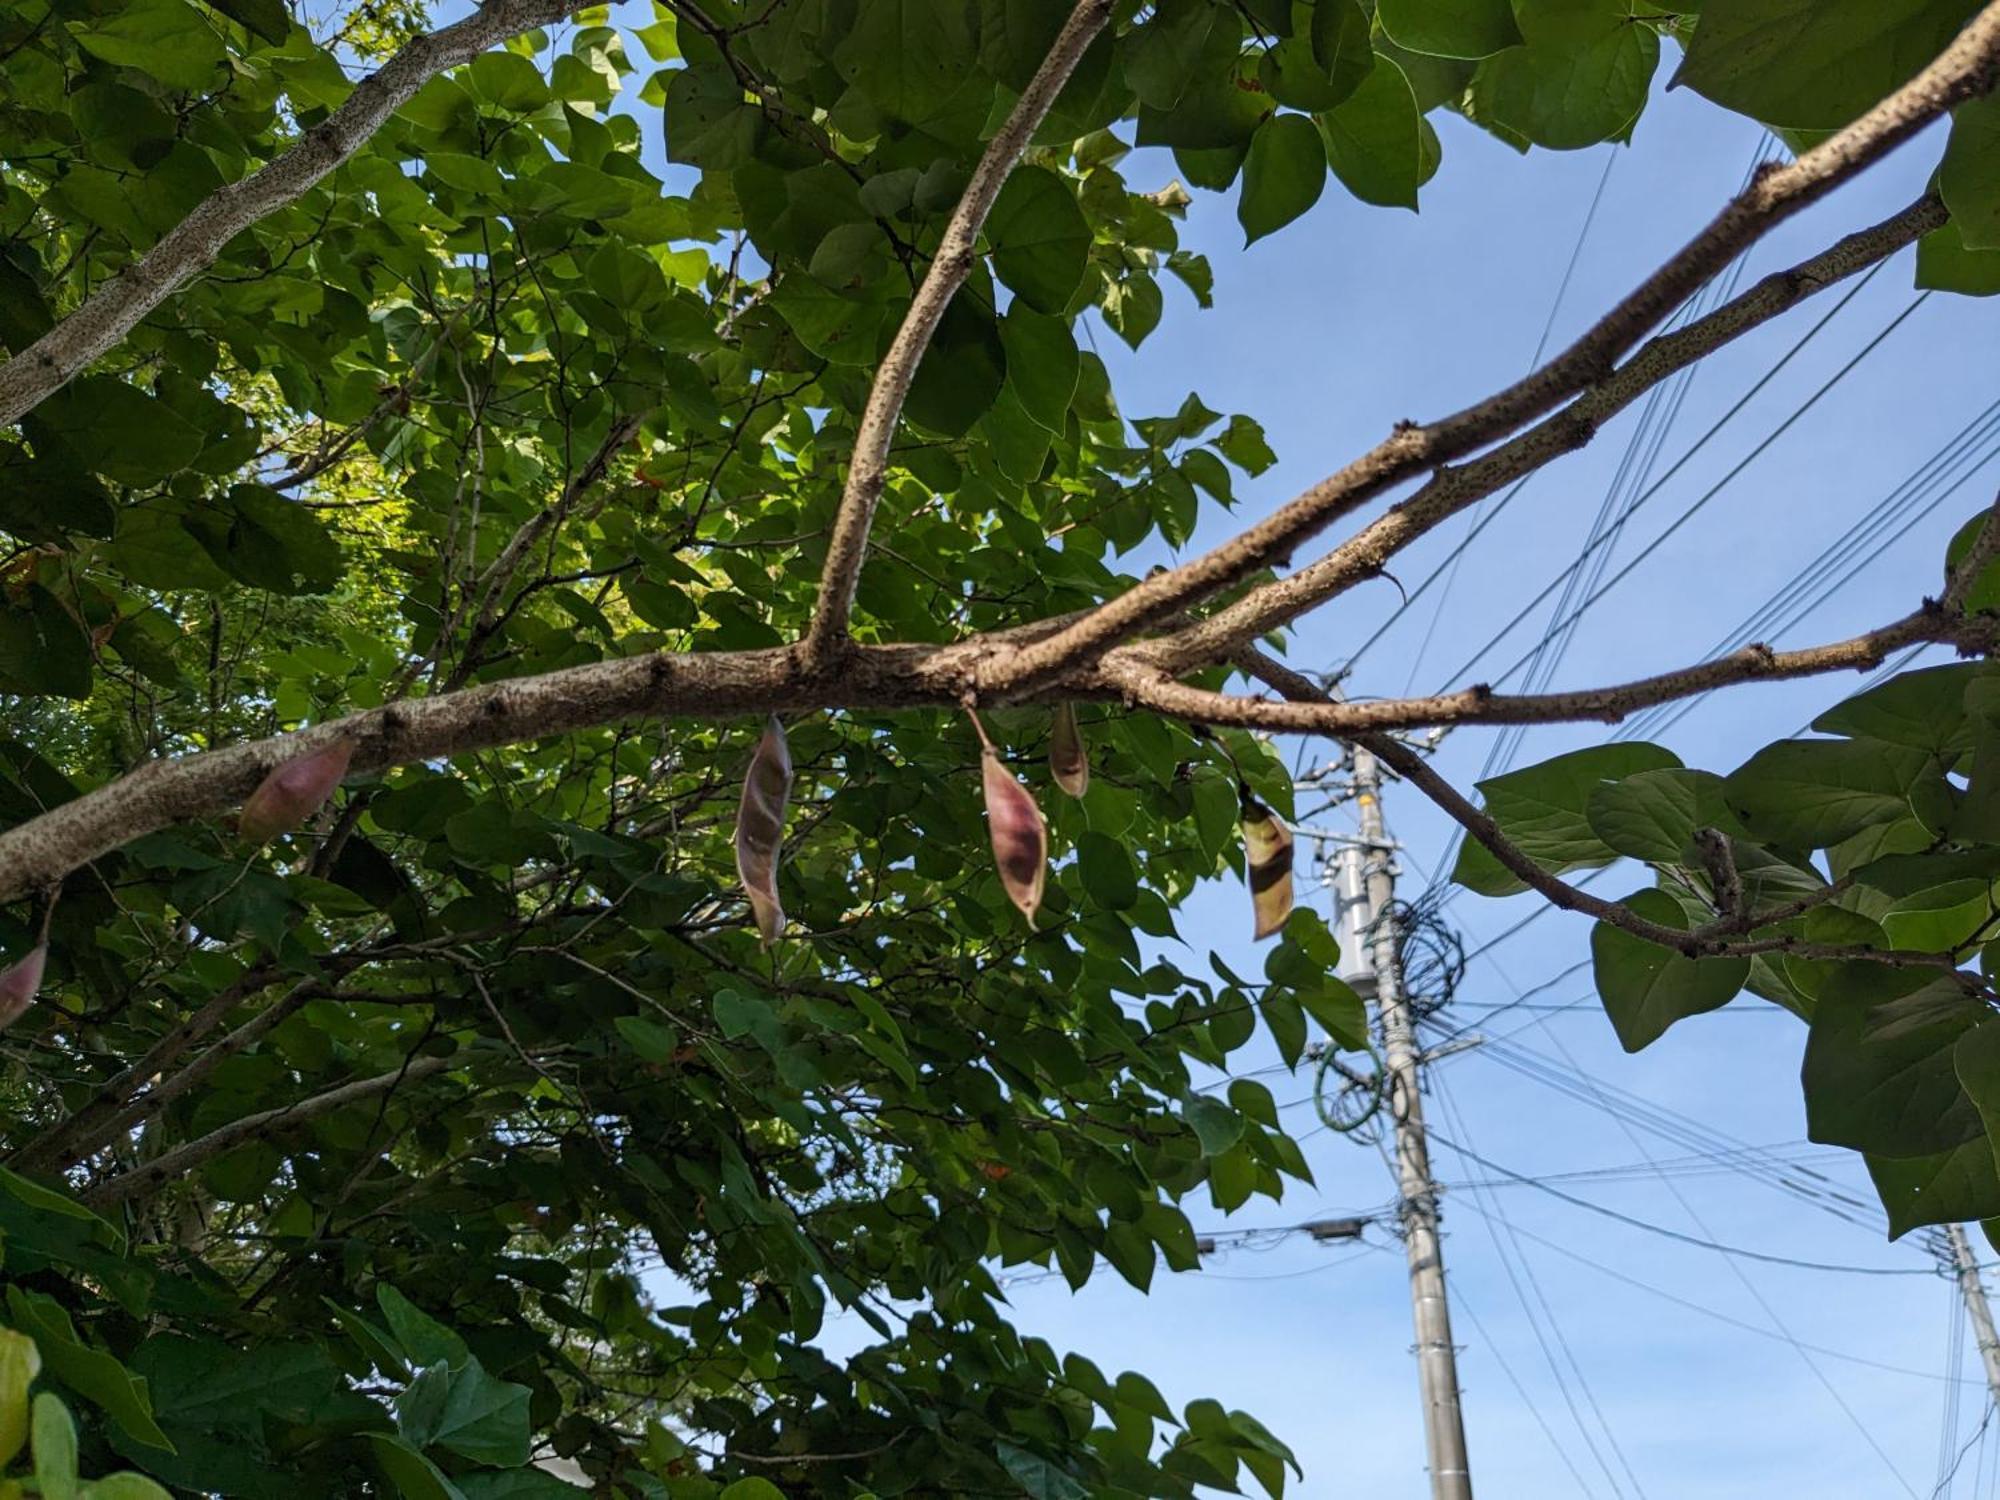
(1598,1359)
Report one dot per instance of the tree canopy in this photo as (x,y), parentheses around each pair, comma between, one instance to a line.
(566,724)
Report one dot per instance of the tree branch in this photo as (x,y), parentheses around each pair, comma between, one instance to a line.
(1450,490)
(1965,69)
(116,308)
(1718,939)
(868,470)
(184,1159)
(1152,688)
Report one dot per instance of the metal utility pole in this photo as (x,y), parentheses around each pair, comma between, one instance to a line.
(1437,1358)
(1974,1292)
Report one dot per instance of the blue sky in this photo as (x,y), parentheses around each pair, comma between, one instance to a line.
(1760,1378)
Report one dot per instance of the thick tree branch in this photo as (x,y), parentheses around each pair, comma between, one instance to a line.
(699,685)
(1451,490)
(1721,938)
(868,470)
(1151,688)
(1965,69)
(163,1169)
(116,308)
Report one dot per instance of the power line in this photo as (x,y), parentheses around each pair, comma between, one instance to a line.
(1675,1234)
(1722,1317)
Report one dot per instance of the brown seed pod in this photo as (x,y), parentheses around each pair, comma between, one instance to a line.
(294,792)
(19,983)
(1267,844)
(1069,758)
(1020,837)
(760,828)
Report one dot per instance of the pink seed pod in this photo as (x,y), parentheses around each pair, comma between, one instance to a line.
(1020,837)
(1069,759)
(20,982)
(760,828)
(293,792)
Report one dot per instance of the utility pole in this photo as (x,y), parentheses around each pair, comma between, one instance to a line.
(1437,1358)
(1974,1292)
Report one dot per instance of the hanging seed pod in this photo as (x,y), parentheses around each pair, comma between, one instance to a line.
(1267,844)
(1020,837)
(1068,757)
(293,792)
(760,828)
(19,983)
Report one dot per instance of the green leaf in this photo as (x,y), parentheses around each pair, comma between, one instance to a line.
(1569,94)
(1109,876)
(115,429)
(1924,709)
(1544,810)
(484,1419)
(125,1485)
(1814,64)
(1040,239)
(962,375)
(1809,794)
(54,1449)
(43,650)
(1449,28)
(1645,987)
(1969,176)
(423,1339)
(1946,264)
(164,38)
(1040,1477)
(1216,1125)
(1377,142)
(90,1372)
(415,1477)
(19,1365)
(1952,1187)
(1282,177)
(907,56)
(1879,1073)
(508,81)
(269,19)
(1042,364)
(1653,815)
(256,535)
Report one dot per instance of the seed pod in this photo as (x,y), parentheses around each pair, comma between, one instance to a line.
(19,983)
(1068,757)
(1014,821)
(760,828)
(294,792)
(1267,844)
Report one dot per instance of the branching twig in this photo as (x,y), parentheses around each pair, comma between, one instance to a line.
(868,469)
(182,1159)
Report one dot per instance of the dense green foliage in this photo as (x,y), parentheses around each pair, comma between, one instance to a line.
(494,398)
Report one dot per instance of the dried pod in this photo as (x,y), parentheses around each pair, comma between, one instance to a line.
(1068,758)
(1020,837)
(294,792)
(760,828)
(19,983)
(1267,843)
